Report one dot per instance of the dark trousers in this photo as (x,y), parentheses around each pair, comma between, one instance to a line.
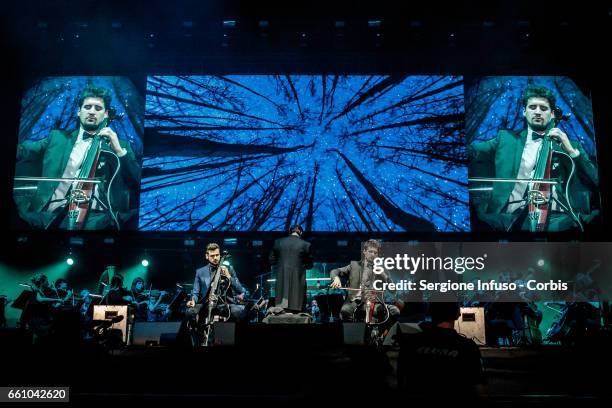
(198,313)
(349,309)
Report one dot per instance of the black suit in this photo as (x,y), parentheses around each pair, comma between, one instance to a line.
(290,258)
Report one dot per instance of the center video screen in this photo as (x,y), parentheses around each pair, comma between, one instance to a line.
(343,153)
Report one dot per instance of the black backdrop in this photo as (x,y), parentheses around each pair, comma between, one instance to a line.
(188,37)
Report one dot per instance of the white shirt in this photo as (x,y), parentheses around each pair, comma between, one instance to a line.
(526,171)
(79,151)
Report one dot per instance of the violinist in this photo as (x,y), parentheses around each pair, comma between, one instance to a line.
(62,291)
(117,294)
(233,290)
(143,300)
(140,299)
(38,312)
(512,156)
(62,155)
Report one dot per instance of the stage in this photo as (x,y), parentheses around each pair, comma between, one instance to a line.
(290,363)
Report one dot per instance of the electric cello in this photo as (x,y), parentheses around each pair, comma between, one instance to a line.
(82,192)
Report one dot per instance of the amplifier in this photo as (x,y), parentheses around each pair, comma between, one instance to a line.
(155,333)
(471,324)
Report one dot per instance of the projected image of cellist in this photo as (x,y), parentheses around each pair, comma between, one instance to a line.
(85,177)
(536,177)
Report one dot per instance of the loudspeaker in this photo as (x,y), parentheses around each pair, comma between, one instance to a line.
(354,333)
(396,331)
(155,333)
(224,333)
(107,312)
(471,324)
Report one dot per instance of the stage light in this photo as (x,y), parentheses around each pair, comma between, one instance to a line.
(227,263)
(342,243)
(76,241)
(339,24)
(70,261)
(229,23)
(189,242)
(145,262)
(374,23)
(263,24)
(541,262)
(257,243)
(109,241)
(230,241)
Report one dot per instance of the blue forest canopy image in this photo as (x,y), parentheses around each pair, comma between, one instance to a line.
(331,152)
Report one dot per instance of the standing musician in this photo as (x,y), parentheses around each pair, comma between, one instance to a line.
(514,158)
(361,284)
(290,257)
(229,283)
(63,154)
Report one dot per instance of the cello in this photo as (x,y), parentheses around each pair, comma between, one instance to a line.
(217,296)
(82,191)
(539,194)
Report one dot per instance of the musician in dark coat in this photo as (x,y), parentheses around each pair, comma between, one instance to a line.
(290,258)
(202,282)
(513,155)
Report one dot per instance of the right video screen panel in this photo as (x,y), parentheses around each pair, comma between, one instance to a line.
(531,154)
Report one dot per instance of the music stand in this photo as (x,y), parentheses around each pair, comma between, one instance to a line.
(23,299)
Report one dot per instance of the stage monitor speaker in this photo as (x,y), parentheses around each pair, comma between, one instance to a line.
(395,332)
(155,333)
(107,312)
(224,333)
(471,324)
(354,333)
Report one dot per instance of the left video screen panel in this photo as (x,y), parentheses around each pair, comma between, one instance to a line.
(79,153)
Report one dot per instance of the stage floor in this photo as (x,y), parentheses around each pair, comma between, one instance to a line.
(291,367)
